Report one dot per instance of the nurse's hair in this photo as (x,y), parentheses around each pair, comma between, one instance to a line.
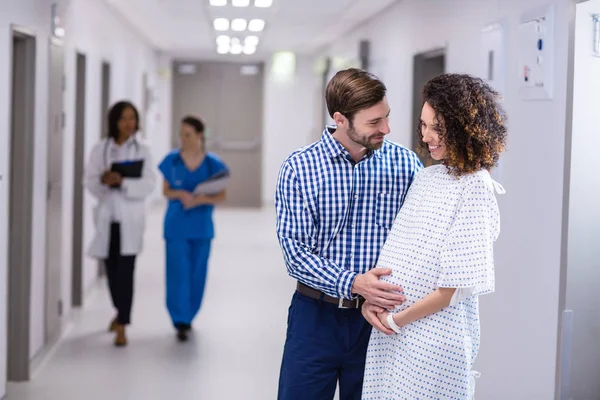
(114,115)
(470,121)
(194,122)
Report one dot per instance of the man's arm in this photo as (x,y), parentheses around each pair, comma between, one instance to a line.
(430,304)
(296,231)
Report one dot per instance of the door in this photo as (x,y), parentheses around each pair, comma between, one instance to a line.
(579,357)
(104,104)
(77,284)
(425,67)
(54,195)
(229,99)
(20,207)
(104,99)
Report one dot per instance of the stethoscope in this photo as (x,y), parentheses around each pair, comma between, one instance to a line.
(176,182)
(178,160)
(107,144)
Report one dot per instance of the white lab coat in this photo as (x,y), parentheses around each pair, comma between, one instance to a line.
(133,195)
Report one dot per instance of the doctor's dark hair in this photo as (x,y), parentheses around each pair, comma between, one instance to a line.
(114,115)
(194,122)
(470,121)
(352,90)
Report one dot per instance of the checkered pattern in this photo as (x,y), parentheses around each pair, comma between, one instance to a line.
(333,214)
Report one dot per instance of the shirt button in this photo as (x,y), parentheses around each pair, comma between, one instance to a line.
(355,197)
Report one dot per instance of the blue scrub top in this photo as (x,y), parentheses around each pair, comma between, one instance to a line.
(196,223)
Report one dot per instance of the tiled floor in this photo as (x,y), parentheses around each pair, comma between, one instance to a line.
(237,343)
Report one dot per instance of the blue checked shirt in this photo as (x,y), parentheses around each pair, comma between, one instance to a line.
(333,214)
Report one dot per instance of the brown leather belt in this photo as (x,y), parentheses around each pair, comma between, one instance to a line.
(317,295)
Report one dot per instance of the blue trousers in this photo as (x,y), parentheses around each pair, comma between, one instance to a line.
(187,265)
(324,345)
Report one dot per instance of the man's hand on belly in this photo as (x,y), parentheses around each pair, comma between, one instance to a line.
(377,293)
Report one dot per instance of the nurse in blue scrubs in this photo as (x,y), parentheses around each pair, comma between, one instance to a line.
(188,224)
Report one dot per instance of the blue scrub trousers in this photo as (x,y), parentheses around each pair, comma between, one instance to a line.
(324,345)
(187,265)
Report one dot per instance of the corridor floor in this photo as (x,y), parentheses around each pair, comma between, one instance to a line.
(236,346)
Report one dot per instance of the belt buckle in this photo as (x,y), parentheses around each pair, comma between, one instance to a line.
(341,304)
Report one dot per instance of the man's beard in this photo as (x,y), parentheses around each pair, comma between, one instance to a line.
(364,141)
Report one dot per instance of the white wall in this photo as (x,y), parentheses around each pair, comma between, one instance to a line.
(289,118)
(519,322)
(33,15)
(95,31)
(583,274)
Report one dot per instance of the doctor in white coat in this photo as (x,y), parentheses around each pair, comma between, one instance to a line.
(120,214)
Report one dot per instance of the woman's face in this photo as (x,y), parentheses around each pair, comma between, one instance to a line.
(190,138)
(431,129)
(127,123)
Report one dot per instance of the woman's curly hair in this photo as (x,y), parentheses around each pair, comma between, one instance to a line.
(470,121)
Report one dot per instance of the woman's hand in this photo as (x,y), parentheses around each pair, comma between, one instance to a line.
(372,315)
(187,199)
(111,178)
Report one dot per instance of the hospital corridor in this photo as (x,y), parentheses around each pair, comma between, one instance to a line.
(299,200)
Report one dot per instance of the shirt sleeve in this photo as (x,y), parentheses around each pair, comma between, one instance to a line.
(467,257)
(296,231)
(165,167)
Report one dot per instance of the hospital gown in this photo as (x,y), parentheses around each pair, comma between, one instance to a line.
(442,237)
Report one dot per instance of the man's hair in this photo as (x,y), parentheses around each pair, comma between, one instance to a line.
(470,121)
(352,90)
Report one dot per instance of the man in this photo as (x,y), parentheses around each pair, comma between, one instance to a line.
(336,200)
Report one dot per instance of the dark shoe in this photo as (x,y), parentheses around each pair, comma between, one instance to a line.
(121,338)
(182,335)
(113,325)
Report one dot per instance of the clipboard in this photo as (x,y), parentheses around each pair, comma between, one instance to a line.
(128,169)
(213,185)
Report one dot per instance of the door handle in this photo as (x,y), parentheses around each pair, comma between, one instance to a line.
(239,146)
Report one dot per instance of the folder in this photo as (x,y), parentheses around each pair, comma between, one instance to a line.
(128,169)
(213,185)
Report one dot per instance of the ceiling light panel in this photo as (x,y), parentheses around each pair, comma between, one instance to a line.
(218,3)
(263,3)
(256,25)
(239,24)
(221,24)
(251,41)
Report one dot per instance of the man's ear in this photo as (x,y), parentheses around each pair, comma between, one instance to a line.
(339,119)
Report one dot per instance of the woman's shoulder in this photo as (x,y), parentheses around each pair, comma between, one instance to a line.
(215,159)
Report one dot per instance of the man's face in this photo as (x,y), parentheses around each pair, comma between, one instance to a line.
(369,126)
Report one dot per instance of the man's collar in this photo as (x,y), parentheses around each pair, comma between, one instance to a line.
(335,148)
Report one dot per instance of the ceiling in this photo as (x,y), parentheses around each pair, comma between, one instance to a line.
(184,28)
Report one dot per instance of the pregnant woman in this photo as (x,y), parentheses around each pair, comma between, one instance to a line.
(440,249)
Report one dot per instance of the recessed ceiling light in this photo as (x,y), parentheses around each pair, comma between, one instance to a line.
(223,40)
(263,3)
(223,49)
(235,42)
(239,24)
(256,25)
(221,24)
(240,3)
(249,49)
(236,49)
(218,3)
(251,41)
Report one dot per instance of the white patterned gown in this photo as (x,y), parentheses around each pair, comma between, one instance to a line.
(442,237)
